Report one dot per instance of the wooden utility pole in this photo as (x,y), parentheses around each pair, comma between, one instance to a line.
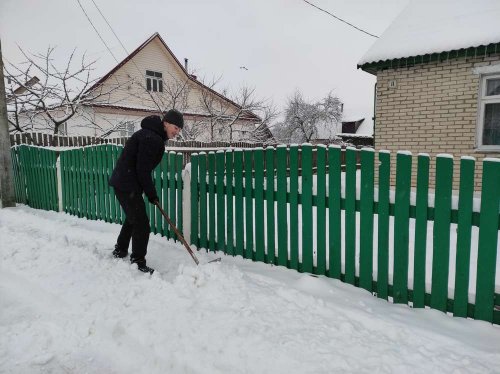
(7,196)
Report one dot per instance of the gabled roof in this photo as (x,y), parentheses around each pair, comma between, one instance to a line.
(433,30)
(188,76)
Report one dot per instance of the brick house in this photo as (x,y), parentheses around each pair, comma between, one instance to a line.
(438,81)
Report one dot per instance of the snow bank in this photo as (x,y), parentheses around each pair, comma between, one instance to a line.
(67,306)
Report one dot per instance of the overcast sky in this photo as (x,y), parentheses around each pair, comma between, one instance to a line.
(285,44)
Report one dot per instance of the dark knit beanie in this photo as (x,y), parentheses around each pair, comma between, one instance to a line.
(174,117)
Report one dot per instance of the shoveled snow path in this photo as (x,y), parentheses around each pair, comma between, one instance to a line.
(67,306)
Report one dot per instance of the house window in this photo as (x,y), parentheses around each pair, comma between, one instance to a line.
(63,129)
(154,81)
(489,115)
(127,129)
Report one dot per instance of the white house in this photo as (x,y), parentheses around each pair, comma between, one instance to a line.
(149,81)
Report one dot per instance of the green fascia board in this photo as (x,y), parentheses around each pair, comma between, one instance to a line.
(482,50)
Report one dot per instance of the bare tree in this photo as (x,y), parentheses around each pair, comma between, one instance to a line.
(246,118)
(305,121)
(57,95)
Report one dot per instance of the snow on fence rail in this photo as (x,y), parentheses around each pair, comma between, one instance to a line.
(261,204)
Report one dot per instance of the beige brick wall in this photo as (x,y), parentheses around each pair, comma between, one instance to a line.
(433,109)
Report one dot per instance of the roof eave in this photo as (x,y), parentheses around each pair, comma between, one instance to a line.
(405,62)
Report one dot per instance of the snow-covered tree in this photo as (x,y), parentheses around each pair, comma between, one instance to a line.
(303,120)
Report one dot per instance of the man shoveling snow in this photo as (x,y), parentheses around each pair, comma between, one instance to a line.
(132,176)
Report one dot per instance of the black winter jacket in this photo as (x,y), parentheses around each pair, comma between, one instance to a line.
(141,154)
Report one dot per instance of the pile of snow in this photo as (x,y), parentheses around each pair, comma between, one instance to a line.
(67,307)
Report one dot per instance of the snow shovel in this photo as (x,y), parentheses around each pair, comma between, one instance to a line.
(181,238)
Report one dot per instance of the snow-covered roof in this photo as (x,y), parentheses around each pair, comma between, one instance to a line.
(366,126)
(434,26)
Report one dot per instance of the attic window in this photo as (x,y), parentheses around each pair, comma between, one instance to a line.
(489,113)
(154,81)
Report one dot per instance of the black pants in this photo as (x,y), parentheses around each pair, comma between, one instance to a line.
(135,227)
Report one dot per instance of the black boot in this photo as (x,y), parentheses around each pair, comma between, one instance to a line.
(119,253)
(141,265)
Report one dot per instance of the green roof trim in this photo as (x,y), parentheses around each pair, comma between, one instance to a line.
(482,50)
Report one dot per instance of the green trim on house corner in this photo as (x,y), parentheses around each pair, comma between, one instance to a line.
(482,50)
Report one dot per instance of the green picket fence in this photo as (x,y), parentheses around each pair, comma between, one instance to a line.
(244,203)
(35,177)
(84,184)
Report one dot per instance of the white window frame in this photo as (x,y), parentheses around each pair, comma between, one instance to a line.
(482,101)
(159,86)
(127,129)
(63,129)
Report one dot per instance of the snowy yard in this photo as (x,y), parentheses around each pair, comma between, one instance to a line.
(67,307)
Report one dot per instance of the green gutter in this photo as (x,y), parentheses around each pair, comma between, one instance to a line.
(405,62)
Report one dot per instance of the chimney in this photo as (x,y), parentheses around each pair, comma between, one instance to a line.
(186,64)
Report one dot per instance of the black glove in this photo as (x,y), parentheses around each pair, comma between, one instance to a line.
(154,200)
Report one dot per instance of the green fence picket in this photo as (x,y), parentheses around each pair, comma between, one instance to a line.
(42,155)
(221,206)
(55,185)
(441,239)
(488,241)
(282,217)
(115,205)
(80,183)
(36,176)
(86,182)
(178,167)
(238,202)
(294,207)
(100,178)
(321,210)
(89,164)
(307,216)
(64,185)
(20,179)
(105,185)
(171,187)
(15,173)
(334,213)
(366,219)
(249,226)
(259,204)
(350,215)
(112,197)
(165,184)
(384,175)
(229,203)
(76,181)
(119,211)
(211,201)
(195,201)
(74,194)
(158,187)
(419,262)
(202,162)
(401,227)
(44,175)
(104,160)
(464,231)
(270,210)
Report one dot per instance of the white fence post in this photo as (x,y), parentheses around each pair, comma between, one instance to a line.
(59,181)
(186,202)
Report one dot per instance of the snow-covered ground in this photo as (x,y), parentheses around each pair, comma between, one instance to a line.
(67,307)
